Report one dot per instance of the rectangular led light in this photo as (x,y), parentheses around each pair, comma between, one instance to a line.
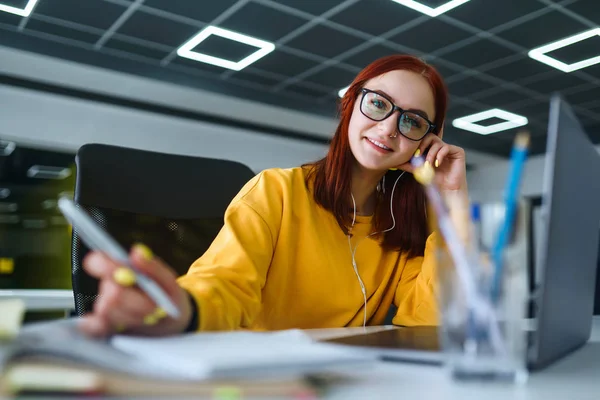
(343,91)
(47,172)
(468,122)
(432,12)
(539,53)
(186,50)
(23,12)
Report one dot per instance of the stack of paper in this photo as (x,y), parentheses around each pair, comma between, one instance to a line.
(237,354)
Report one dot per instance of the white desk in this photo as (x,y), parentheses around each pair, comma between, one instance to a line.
(42,300)
(575,377)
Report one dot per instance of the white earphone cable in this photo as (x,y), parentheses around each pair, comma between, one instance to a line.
(353,250)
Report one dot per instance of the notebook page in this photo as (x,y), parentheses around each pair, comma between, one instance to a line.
(237,354)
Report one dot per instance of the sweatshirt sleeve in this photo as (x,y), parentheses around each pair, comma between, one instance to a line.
(415,294)
(226,282)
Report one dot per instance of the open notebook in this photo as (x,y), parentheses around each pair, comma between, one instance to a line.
(192,357)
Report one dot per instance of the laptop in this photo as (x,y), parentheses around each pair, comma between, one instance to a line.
(568,255)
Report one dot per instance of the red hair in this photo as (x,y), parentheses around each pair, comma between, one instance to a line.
(332,174)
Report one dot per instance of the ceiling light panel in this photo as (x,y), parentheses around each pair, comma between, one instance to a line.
(23,12)
(187,49)
(469,122)
(432,12)
(539,54)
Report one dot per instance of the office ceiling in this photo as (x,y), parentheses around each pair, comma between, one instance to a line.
(480,48)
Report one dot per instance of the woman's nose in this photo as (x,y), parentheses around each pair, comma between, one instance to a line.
(388,126)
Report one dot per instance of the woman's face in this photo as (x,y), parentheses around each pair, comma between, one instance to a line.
(378,145)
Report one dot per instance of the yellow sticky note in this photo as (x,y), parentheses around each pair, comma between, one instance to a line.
(7,265)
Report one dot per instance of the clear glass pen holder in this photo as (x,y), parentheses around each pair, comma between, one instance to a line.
(482,333)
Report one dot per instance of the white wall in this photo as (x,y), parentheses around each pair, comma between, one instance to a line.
(58,122)
(486,183)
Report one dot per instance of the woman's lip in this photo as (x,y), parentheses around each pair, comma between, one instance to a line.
(377,147)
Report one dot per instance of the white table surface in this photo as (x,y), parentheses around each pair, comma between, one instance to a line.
(576,377)
(42,299)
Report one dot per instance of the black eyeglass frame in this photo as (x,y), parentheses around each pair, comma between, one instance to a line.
(395,108)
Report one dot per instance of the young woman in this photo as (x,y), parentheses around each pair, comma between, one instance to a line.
(329,244)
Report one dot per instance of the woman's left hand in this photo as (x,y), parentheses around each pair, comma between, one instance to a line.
(449,162)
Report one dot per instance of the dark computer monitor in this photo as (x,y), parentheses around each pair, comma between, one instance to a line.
(569,239)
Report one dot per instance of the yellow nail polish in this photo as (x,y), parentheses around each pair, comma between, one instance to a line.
(437,163)
(124,277)
(393,169)
(145,251)
(150,319)
(160,313)
(418,153)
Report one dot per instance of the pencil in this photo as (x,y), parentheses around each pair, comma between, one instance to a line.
(511,193)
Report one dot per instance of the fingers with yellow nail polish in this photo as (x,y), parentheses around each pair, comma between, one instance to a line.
(144,251)
(124,277)
(150,320)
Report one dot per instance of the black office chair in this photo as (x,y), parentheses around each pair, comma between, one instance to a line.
(174,204)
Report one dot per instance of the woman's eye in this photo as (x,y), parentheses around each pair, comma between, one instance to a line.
(379,104)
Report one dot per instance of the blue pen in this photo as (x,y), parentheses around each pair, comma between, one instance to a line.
(518,157)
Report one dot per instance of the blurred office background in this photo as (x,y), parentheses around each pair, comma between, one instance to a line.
(108,71)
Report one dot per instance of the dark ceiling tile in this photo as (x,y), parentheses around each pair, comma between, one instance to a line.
(543,30)
(315,7)
(332,77)
(324,41)
(469,86)
(431,35)
(593,70)
(505,97)
(587,8)
(204,11)
(375,16)
(188,65)
(556,82)
(9,18)
(456,110)
(262,22)
(446,72)
(248,75)
(282,63)
(370,54)
(57,30)
(530,111)
(584,96)
(136,49)
(487,14)
(21,4)
(95,13)
(519,70)
(305,91)
(470,140)
(156,29)
(576,52)
(478,53)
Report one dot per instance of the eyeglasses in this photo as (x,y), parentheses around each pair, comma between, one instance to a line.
(378,107)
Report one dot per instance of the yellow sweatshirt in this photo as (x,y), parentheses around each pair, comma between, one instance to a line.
(281,261)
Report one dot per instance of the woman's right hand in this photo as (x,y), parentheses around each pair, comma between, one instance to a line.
(125,309)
